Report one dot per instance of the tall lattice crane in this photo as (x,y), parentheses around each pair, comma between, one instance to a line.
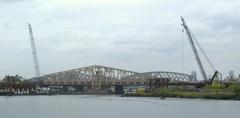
(191,39)
(34,52)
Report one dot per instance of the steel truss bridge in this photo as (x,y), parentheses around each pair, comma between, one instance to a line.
(97,76)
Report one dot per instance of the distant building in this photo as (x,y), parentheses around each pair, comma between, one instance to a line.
(238,79)
(193,76)
(231,75)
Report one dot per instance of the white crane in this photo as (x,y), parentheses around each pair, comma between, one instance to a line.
(191,38)
(34,52)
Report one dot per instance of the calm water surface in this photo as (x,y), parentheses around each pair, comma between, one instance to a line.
(91,106)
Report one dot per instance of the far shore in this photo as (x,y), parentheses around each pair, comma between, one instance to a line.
(193,95)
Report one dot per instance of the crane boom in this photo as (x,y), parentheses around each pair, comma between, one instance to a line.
(34,52)
(188,33)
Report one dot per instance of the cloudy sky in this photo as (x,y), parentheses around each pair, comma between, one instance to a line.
(137,35)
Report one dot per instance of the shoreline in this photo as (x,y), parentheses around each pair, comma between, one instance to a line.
(184,95)
(189,95)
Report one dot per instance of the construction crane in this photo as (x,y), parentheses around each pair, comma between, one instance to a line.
(34,52)
(191,39)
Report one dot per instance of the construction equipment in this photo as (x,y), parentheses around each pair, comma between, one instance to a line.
(34,52)
(191,39)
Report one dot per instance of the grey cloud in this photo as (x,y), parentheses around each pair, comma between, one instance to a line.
(12,1)
(145,37)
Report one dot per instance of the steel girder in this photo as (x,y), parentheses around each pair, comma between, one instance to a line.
(98,73)
(173,76)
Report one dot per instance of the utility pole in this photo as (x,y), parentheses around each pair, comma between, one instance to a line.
(189,35)
(34,52)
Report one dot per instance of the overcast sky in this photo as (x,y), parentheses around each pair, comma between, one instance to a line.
(137,35)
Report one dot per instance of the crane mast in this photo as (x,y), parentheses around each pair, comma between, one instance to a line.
(34,52)
(190,38)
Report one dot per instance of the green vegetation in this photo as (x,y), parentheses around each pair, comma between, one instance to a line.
(12,79)
(235,88)
(214,91)
(15,82)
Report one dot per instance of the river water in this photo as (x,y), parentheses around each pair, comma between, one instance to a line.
(92,106)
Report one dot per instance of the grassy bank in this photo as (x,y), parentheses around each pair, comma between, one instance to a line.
(214,91)
(202,95)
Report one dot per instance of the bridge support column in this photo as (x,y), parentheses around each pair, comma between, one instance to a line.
(119,89)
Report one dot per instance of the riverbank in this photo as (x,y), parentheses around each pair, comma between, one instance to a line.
(201,95)
(214,91)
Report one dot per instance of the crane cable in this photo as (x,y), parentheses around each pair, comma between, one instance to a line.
(183,51)
(201,49)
